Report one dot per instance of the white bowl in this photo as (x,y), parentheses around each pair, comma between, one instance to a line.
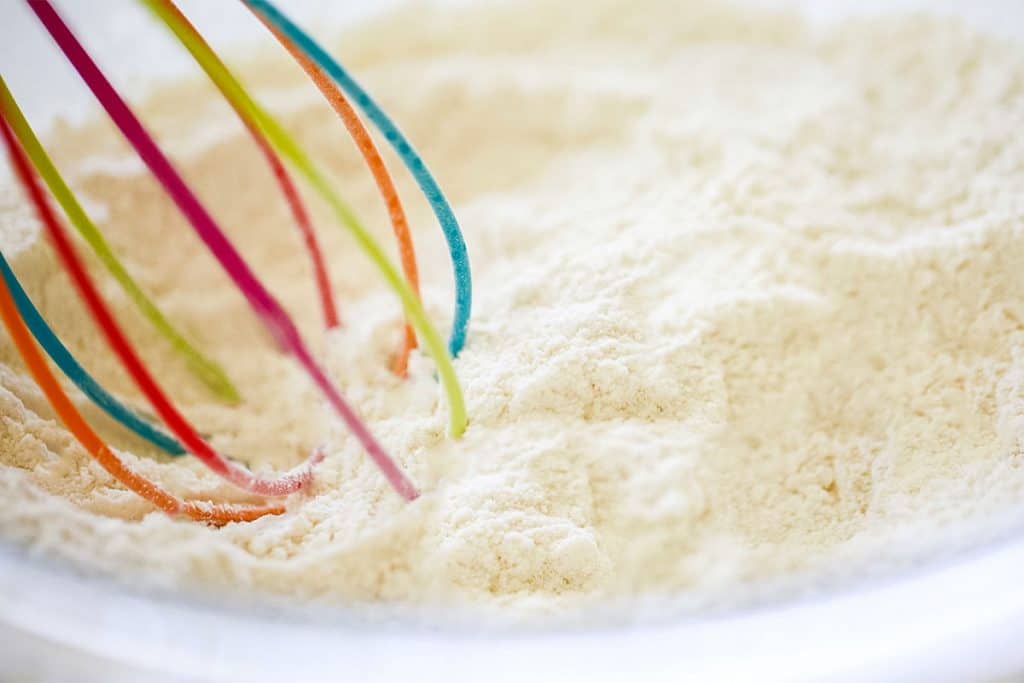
(956,618)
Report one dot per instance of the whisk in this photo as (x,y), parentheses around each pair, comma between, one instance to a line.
(24,321)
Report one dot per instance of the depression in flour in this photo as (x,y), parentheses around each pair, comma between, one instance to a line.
(749,304)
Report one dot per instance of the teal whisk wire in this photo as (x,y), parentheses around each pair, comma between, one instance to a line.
(412,160)
(60,355)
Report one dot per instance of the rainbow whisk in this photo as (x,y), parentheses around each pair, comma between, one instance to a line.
(177,436)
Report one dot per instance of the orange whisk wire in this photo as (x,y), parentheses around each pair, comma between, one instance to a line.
(213,513)
(381,176)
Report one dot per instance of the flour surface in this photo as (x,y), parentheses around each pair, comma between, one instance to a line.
(749,302)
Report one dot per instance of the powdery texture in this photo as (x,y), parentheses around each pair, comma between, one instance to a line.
(749,302)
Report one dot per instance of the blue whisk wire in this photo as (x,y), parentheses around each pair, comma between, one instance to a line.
(412,160)
(74,371)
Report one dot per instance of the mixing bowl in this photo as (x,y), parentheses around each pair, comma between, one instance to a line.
(956,616)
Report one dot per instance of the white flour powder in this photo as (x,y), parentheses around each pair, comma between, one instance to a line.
(749,301)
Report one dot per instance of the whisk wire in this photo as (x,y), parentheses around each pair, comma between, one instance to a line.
(290,150)
(268,12)
(207,370)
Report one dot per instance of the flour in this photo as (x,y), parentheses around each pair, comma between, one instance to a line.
(748,302)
